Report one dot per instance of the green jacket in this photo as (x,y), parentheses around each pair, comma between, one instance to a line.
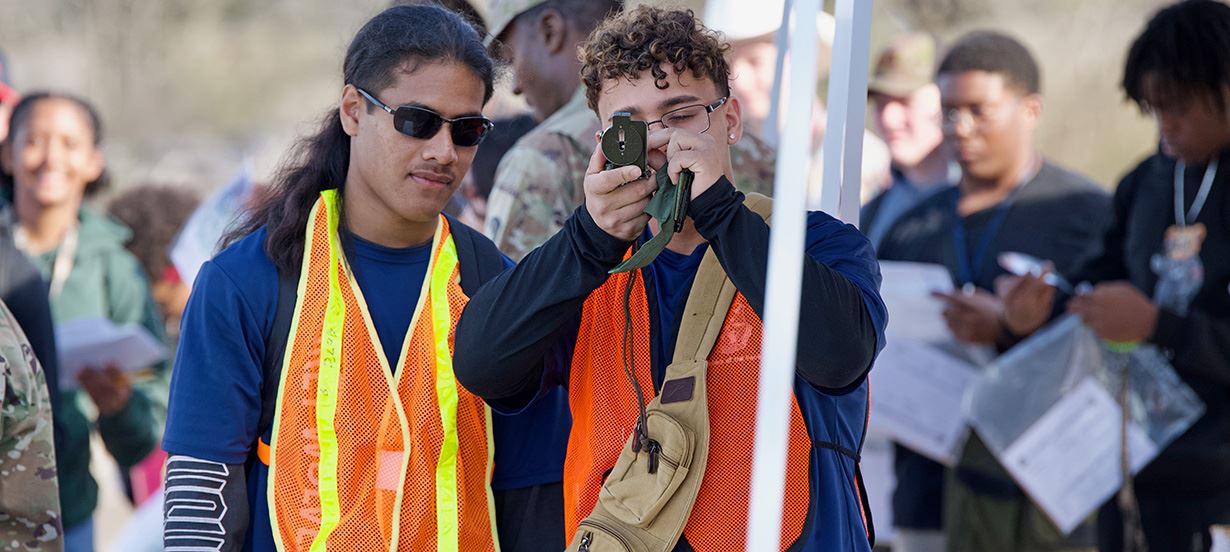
(105,281)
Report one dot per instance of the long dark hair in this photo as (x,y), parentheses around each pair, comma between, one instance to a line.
(22,111)
(320,162)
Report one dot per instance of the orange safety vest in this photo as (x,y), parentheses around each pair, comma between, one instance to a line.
(363,457)
(604,414)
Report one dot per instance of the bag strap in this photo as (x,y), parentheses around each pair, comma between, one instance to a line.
(703,317)
(275,348)
(478,259)
(710,299)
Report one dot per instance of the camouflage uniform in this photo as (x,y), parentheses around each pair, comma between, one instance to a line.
(754,163)
(29,496)
(540,180)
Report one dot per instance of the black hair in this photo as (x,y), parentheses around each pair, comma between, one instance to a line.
(996,53)
(385,44)
(582,15)
(21,112)
(1183,53)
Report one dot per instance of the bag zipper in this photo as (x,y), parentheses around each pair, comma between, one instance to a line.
(587,538)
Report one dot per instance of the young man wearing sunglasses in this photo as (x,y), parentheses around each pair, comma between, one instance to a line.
(560,305)
(313,403)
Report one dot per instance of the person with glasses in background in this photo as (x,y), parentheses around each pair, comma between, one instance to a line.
(559,318)
(1009,198)
(314,403)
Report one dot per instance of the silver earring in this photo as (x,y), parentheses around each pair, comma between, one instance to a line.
(732,136)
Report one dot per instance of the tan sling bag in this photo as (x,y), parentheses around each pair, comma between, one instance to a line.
(646,500)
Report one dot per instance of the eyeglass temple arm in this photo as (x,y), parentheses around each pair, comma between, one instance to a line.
(374,101)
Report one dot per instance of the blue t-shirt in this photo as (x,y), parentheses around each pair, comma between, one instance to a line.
(216,395)
(830,417)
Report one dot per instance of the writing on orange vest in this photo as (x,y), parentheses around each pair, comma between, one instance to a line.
(604,414)
(364,457)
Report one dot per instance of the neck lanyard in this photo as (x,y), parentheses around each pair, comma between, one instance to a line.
(1202,195)
(62,266)
(968,266)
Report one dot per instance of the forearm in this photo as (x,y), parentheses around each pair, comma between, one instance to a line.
(837,336)
(508,327)
(205,506)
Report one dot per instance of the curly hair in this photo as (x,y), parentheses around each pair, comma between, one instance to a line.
(646,38)
(155,214)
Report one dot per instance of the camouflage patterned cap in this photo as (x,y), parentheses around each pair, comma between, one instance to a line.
(502,12)
(904,66)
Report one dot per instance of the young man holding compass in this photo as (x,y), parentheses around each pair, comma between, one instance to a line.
(561,304)
(1163,273)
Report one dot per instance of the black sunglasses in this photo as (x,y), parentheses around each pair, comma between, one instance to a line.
(423,123)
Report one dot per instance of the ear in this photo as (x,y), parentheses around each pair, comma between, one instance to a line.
(351,104)
(732,114)
(1031,107)
(553,30)
(97,163)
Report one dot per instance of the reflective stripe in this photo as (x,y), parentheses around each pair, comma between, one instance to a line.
(326,385)
(495,537)
(300,295)
(446,395)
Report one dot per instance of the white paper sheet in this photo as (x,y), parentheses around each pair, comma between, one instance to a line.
(912,312)
(143,531)
(197,242)
(1068,461)
(98,342)
(1221,538)
(916,393)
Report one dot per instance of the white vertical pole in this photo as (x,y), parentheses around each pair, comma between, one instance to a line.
(785,279)
(772,126)
(838,103)
(852,165)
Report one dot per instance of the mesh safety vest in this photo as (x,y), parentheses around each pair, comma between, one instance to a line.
(604,414)
(364,457)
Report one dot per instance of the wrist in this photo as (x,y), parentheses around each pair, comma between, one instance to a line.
(708,209)
(608,247)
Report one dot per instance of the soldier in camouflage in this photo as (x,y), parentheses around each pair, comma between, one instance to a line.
(29,496)
(539,181)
